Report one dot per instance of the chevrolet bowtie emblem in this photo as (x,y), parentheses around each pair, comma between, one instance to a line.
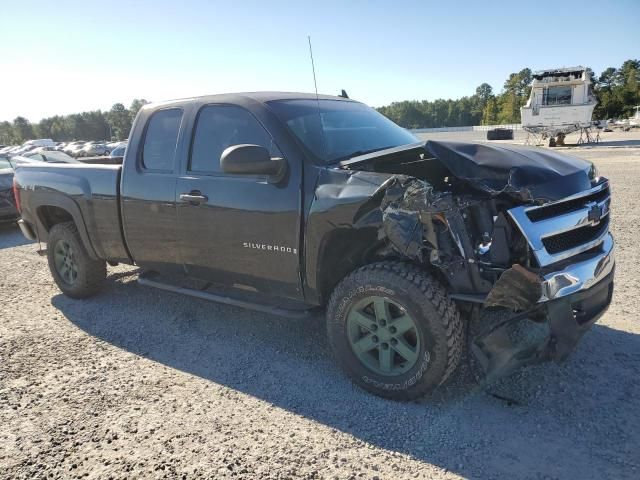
(595,213)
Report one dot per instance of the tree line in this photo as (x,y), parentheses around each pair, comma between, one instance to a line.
(94,125)
(616,90)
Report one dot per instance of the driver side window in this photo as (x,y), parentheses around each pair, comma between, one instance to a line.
(222,126)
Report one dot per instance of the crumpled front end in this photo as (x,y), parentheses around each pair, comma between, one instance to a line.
(531,262)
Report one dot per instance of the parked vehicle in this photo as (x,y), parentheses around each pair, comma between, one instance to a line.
(40,142)
(47,156)
(22,150)
(118,150)
(72,147)
(112,145)
(4,152)
(93,148)
(287,202)
(114,158)
(8,210)
(500,134)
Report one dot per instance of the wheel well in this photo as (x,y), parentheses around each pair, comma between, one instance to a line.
(377,256)
(50,216)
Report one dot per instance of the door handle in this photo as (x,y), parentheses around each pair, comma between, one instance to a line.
(194,198)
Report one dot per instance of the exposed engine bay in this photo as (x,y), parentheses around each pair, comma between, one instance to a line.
(450,208)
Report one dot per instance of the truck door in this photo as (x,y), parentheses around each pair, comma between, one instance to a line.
(238,230)
(148,191)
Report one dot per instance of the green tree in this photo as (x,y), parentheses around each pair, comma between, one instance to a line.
(22,129)
(484,92)
(135,107)
(7,136)
(120,121)
(607,78)
(490,112)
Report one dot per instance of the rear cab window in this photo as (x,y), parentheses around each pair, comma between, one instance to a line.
(161,139)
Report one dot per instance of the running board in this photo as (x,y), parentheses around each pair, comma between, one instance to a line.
(284,312)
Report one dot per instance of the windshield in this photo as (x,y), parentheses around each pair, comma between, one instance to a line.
(334,130)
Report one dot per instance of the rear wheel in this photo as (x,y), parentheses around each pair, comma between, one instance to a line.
(74,271)
(394,331)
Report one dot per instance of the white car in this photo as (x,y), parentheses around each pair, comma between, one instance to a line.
(73,147)
(40,142)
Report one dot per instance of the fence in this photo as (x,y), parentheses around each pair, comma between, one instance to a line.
(470,128)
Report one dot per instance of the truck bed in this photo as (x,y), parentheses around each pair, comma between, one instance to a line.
(90,192)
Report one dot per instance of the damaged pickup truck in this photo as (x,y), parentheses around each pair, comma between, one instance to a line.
(287,202)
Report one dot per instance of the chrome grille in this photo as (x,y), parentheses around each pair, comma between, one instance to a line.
(574,238)
(559,230)
(559,208)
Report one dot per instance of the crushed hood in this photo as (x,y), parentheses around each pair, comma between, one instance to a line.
(526,173)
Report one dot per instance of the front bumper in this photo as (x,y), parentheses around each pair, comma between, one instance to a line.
(581,275)
(572,300)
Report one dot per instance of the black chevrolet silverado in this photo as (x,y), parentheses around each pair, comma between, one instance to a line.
(286,202)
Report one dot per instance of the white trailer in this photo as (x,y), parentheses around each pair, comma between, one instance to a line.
(561,102)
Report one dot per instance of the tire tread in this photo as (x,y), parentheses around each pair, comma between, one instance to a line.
(432,290)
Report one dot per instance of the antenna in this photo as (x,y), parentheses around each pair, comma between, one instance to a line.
(315,84)
(313,67)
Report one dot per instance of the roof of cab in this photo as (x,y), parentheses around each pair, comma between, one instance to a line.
(262,97)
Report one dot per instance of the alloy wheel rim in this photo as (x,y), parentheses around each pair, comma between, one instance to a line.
(65,261)
(383,336)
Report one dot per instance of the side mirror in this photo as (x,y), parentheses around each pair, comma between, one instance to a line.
(249,159)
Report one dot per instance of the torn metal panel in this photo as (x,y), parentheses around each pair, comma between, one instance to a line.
(517,289)
(500,343)
(403,229)
(423,224)
(525,174)
(408,209)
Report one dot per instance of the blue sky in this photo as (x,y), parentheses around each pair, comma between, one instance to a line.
(68,56)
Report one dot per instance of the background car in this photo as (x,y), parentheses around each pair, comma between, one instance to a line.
(23,149)
(118,150)
(93,149)
(48,156)
(72,147)
(4,152)
(8,211)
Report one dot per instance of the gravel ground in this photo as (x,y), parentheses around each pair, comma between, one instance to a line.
(139,383)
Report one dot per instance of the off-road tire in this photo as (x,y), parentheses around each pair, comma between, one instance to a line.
(91,273)
(437,319)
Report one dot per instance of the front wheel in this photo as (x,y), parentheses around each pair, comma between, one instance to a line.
(74,271)
(393,329)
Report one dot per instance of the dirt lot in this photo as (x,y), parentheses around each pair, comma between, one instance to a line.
(137,383)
